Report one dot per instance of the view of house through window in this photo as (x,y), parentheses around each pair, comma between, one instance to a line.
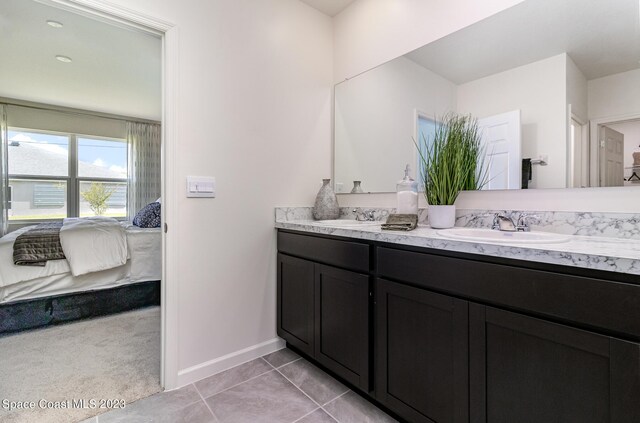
(53,175)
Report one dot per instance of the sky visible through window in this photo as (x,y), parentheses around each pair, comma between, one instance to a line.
(111,155)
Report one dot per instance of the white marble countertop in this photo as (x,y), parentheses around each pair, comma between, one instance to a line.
(591,252)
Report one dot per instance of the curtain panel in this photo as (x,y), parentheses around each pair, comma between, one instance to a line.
(4,171)
(144,165)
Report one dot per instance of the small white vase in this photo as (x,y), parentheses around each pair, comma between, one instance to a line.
(442,217)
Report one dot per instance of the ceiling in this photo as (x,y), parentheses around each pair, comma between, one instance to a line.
(329,7)
(602,38)
(114,70)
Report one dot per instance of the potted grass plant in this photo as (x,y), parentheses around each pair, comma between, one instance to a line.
(451,162)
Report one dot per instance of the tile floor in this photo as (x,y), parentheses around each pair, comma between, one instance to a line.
(279,387)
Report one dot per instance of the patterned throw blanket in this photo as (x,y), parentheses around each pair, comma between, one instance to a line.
(38,245)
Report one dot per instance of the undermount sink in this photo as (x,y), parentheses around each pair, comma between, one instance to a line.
(490,235)
(348,223)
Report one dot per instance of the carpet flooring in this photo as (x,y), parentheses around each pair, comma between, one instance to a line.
(115,357)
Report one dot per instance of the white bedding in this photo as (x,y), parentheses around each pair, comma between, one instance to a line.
(144,248)
(92,244)
(11,274)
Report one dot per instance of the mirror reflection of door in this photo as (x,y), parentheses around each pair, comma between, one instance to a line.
(578,155)
(611,157)
(501,139)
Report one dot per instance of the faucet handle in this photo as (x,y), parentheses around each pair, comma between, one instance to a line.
(365,215)
(496,221)
(523,221)
(369,215)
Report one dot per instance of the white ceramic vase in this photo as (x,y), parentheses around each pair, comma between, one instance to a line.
(442,217)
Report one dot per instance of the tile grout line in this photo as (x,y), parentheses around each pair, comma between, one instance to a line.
(285,364)
(329,402)
(237,384)
(294,385)
(327,411)
(339,396)
(305,394)
(310,412)
(320,405)
(314,401)
(205,403)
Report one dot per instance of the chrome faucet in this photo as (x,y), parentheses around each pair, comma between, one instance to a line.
(507,224)
(366,215)
(503,223)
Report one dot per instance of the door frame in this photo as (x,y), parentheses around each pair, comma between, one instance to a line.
(584,127)
(594,138)
(168,32)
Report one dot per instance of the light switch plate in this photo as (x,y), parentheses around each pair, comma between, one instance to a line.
(201,187)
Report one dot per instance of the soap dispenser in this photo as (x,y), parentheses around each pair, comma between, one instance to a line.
(407,190)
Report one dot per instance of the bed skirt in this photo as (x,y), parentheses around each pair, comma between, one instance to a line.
(36,313)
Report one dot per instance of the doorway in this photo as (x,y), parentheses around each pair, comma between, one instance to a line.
(170,94)
(132,21)
(615,148)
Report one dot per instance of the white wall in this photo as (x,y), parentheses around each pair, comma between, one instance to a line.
(614,95)
(577,90)
(538,90)
(254,110)
(371,32)
(631,132)
(378,109)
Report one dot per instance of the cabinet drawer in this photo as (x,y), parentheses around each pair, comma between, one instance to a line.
(345,254)
(597,303)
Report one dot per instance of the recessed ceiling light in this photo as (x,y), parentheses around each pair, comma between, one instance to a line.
(64,59)
(55,24)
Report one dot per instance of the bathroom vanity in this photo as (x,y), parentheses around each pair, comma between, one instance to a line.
(449,331)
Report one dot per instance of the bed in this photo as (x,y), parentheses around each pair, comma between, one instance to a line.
(90,282)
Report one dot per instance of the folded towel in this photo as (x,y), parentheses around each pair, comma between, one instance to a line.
(526,173)
(401,222)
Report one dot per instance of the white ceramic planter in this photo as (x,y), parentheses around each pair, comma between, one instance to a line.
(442,217)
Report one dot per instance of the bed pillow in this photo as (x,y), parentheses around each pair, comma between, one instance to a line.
(149,216)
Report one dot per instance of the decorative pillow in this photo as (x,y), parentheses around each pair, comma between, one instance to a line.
(149,216)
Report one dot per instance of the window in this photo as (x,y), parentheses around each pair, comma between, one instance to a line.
(426,128)
(52,176)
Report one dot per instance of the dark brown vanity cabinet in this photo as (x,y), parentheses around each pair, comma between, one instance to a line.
(528,370)
(464,338)
(538,364)
(323,310)
(296,291)
(342,323)
(422,353)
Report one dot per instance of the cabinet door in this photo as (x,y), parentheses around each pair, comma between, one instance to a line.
(295,302)
(524,369)
(342,323)
(422,369)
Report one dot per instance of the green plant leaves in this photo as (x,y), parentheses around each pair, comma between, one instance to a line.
(453,161)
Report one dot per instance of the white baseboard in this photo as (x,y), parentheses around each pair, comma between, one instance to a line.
(220,364)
